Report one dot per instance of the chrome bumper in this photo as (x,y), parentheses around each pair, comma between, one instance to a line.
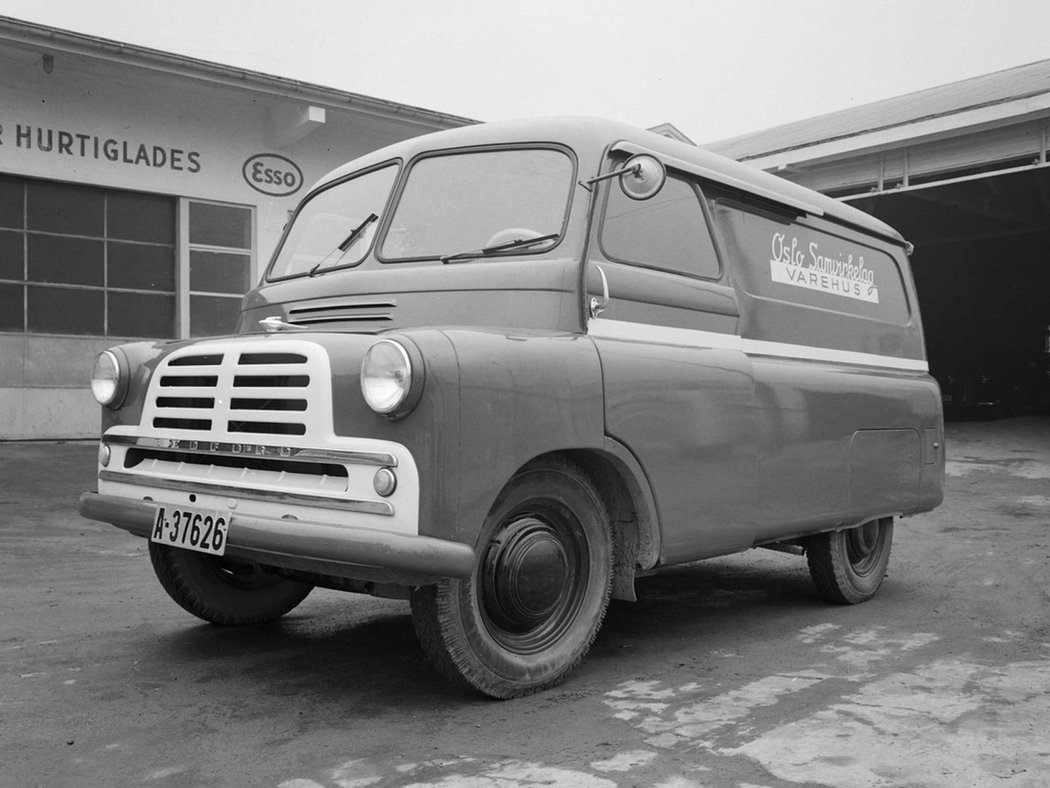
(337,550)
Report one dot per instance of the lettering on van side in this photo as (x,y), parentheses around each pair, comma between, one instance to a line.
(841,274)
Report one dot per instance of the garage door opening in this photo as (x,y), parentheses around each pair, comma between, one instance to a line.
(982,270)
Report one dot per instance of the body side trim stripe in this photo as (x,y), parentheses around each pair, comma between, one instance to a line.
(666,335)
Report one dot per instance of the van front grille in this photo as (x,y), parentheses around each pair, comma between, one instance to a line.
(196,361)
(237,392)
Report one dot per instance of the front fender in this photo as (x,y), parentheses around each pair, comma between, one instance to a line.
(522,395)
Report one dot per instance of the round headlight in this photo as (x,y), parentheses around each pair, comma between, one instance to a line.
(108,379)
(386,376)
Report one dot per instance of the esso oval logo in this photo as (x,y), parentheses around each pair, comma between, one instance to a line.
(272,174)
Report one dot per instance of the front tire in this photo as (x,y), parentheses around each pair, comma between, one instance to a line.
(849,566)
(536,599)
(224,591)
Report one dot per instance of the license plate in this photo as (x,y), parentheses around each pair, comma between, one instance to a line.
(191,529)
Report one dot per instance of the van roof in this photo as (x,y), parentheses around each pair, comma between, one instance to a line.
(582,133)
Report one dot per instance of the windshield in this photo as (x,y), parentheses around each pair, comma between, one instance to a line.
(479,204)
(335,227)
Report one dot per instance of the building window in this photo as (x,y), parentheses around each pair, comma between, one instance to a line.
(87,261)
(80,260)
(220,262)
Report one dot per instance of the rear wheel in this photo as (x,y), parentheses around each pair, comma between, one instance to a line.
(224,591)
(530,611)
(848,566)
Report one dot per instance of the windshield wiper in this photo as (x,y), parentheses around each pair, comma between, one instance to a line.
(517,243)
(349,241)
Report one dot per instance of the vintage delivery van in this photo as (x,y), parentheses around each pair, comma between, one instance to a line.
(504,370)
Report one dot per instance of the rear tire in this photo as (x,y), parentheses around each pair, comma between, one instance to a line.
(848,566)
(224,591)
(536,599)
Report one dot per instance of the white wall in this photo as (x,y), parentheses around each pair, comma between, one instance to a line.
(165,133)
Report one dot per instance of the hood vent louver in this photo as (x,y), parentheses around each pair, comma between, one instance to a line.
(343,312)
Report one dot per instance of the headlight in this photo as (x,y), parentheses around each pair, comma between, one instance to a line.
(109,379)
(389,382)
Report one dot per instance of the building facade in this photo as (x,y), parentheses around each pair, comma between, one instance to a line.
(141,194)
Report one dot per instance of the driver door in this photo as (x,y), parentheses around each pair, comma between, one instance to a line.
(679,390)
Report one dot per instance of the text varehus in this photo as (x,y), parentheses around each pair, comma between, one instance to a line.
(832,274)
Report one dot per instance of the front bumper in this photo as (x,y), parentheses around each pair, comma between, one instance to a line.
(336,550)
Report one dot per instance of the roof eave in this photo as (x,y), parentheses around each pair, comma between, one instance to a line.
(912,132)
(54,39)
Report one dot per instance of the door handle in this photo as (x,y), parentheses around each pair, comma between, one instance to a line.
(597,305)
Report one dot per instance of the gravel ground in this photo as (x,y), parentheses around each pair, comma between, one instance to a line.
(728,672)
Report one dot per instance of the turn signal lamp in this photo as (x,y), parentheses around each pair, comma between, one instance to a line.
(385,482)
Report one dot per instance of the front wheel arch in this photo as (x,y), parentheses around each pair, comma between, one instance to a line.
(629,499)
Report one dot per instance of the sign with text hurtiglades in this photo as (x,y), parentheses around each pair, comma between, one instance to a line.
(86,145)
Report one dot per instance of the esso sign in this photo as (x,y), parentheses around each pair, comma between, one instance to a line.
(272,174)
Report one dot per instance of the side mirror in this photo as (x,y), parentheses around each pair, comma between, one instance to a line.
(642,176)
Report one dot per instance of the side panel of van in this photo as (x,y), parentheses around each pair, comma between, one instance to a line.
(829,321)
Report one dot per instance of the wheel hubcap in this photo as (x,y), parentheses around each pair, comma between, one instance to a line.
(526,575)
(862,546)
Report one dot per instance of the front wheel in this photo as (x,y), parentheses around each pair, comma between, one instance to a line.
(224,591)
(536,599)
(848,566)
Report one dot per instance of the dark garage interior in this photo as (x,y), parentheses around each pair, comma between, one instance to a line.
(982,270)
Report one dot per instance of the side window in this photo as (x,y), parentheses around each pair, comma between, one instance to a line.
(668,231)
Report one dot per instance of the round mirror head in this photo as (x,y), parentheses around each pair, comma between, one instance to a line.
(643,176)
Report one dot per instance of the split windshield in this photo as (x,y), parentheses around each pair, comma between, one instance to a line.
(334,229)
(453,207)
(470,205)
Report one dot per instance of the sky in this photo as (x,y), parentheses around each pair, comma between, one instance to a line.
(714,68)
